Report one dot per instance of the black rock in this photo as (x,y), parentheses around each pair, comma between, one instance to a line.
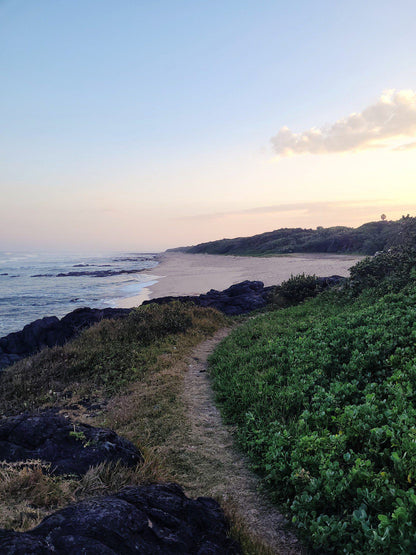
(91,273)
(47,332)
(150,520)
(238,299)
(330,281)
(69,448)
(50,331)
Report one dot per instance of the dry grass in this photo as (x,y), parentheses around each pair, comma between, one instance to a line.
(242,531)
(109,364)
(105,358)
(28,492)
(150,411)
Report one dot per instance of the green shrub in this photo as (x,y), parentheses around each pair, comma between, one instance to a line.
(324,398)
(390,270)
(300,287)
(152,322)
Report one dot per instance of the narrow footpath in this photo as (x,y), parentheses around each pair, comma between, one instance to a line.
(220,470)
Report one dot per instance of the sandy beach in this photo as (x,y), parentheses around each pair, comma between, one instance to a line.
(193,274)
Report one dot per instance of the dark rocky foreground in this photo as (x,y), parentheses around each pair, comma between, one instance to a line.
(51,331)
(69,448)
(238,299)
(150,520)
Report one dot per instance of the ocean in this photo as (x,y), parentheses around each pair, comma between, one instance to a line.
(34,285)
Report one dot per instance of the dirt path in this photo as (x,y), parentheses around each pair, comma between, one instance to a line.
(220,469)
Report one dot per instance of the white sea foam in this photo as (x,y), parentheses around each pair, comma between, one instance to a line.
(24,298)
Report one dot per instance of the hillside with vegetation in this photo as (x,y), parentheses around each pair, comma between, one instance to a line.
(366,239)
(323,397)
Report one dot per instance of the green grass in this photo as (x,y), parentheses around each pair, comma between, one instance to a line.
(324,398)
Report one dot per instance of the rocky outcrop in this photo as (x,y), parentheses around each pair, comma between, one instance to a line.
(330,281)
(238,299)
(150,520)
(51,331)
(70,448)
(91,273)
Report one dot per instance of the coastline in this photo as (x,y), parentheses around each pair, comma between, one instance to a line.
(194,274)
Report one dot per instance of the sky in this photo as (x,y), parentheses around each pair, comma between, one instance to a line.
(140,125)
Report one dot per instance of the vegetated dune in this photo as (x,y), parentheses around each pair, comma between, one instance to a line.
(366,239)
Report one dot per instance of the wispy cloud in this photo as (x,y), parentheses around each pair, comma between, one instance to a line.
(406,146)
(307,208)
(380,125)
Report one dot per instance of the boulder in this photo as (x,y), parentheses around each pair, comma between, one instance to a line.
(70,448)
(50,331)
(238,299)
(331,281)
(150,520)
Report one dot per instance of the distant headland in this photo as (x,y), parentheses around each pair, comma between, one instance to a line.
(366,239)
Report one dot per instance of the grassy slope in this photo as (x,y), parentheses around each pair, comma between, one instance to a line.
(130,372)
(324,398)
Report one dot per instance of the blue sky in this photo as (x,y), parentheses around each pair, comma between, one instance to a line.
(148,124)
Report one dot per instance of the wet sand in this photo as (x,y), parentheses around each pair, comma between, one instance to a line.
(193,274)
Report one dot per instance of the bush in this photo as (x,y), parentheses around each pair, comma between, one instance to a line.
(152,322)
(300,287)
(390,270)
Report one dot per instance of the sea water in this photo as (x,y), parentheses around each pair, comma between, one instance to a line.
(34,285)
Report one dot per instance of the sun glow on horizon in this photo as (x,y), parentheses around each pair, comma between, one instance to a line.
(176,149)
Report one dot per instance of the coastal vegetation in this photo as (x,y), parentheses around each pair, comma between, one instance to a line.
(323,396)
(105,358)
(366,239)
(320,388)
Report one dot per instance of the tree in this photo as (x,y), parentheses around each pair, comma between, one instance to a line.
(383,217)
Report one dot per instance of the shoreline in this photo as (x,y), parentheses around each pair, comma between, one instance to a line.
(193,274)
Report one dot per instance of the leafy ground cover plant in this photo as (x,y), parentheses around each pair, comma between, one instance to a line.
(324,398)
